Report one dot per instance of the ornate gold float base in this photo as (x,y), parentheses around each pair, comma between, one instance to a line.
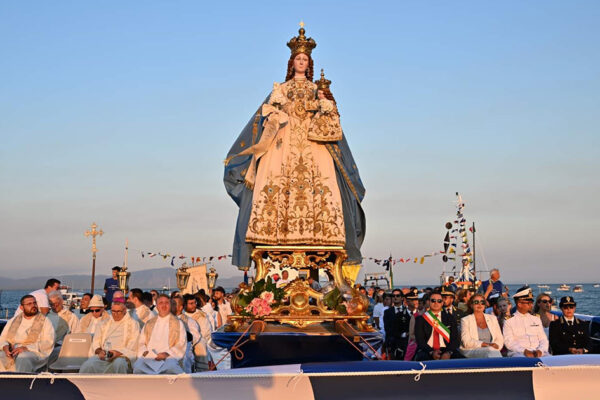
(302,305)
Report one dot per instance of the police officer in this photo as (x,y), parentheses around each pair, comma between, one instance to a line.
(524,334)
(396,321)
(569,335)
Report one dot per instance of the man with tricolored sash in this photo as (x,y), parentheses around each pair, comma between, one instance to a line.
(436,333)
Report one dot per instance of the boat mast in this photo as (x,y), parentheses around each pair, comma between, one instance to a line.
(474,255)
(391,284)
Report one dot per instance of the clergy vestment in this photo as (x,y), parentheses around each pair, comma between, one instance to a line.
(88,322)
(64,322)
(121,336)
(142,314)
(36,334)
(196,353)
(161,334)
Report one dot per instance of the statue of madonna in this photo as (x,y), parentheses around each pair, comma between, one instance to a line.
(291,171)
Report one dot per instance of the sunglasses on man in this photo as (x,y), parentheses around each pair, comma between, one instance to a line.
(569,306)
(436,301)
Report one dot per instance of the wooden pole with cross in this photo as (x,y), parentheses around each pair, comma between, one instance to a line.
(93,233)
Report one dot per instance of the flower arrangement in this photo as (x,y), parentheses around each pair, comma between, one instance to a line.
(261,299)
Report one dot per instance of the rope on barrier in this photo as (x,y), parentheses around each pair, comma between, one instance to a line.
(418,375)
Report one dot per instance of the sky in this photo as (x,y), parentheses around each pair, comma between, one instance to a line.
(121,113)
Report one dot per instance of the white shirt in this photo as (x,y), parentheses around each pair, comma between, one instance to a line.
(159,339)
(433,332)
(41,298)
(378,311)
(524,332)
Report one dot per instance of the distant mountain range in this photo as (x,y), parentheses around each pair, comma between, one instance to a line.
(148,279)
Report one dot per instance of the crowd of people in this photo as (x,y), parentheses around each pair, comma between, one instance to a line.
(147,332)
(447,322)
(141,332)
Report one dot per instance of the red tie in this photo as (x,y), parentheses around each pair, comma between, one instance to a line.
(436,339)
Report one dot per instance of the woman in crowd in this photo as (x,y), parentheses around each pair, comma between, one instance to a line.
(543,305)
(481,336)
(502,310)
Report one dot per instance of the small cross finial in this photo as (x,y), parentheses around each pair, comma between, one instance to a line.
(301,24)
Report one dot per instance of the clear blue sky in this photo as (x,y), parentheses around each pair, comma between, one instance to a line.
(122,112)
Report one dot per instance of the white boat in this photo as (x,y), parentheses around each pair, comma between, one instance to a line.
(564,288)
(578,289)
(543,286)
(71,299)
(597,285)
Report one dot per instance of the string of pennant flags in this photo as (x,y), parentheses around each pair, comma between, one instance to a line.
(172,259)
(386,262)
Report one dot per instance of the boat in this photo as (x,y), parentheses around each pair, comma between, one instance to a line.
(374,279)
(72,300)
(543,287)
(564,288)
(457,250)
(597,285)
(578,289)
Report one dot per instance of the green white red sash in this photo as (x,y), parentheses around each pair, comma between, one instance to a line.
(437,325)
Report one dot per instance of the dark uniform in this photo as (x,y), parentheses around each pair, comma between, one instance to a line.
(568,334)
(396,321)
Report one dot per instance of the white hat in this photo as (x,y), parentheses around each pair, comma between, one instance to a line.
(96,301)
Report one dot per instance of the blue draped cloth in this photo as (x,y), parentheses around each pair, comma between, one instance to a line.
(351,188)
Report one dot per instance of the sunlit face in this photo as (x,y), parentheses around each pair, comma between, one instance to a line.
(412,303)
(435,302)
(495,275)
(387,301)
(545,303)
(503,307)
(568,311)
(96,312)
(176,305)
(397,298)
(85,301)
(190,306)
(29,307)
(118,311)
(524,306)
(478,304)
(163,305)
(301,63)
(56,303)
(448,300)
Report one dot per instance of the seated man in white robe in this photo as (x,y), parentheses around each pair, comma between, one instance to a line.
(162,343)
(63,321)
(137,309)
(196,354)
(192,311)
(95,316)
(27,339)
(114,347)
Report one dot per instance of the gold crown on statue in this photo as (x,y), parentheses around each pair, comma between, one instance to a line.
(300,44)
(323,84)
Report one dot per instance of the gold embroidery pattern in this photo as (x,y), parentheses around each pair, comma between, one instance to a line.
(296,204)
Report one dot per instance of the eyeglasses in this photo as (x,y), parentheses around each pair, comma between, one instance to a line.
(436,300)
(479,302)
(117,311)
(96,310)
(545,301)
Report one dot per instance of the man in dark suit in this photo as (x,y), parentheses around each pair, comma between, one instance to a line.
(396,321)
(569,335)
(430,344)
